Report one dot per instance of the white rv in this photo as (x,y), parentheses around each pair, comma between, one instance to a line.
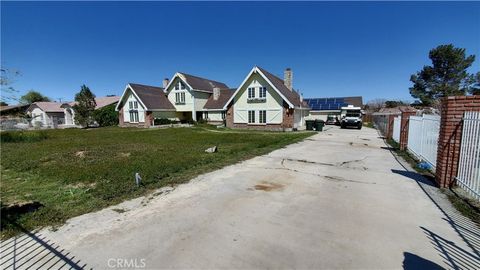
(351,116)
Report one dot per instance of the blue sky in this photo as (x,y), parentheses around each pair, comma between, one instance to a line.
(334,49)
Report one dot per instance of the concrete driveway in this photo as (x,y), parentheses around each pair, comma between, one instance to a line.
(337,200)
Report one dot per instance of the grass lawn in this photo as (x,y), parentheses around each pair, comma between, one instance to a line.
(74,171)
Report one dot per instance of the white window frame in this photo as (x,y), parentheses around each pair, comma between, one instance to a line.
(251,117)
(262,117)
(251,92)
(180,97)
(262,93)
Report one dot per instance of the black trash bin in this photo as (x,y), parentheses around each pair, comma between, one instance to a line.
(319,125)
(309,124)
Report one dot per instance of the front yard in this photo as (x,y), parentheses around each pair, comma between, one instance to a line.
(66,173)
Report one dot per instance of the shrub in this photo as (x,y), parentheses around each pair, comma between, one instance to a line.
(22,136)
(106,116)
(162,121)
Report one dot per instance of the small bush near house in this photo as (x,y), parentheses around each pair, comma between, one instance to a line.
(22,136)
(162,121)
(106,116)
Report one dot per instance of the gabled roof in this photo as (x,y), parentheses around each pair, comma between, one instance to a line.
(291,97)
(47,106)
(198,83)
(151,97)
(99,101)
(225,95)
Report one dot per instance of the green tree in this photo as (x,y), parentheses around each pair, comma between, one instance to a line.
(3,103)
(394,103)
(473,84)
(84,107)
(33,96)
(106,116)
(447,76)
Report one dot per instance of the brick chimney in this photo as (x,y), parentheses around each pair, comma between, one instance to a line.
(287,78)
(216,93)
(165,82)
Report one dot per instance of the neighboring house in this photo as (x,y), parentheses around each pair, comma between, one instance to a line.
(47,114)
(69,112)
(324,107)
(13,111)
(396,110)
(61,115)
(183,98)
(264,101)
(12,117)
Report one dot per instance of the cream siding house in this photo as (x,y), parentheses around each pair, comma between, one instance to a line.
(189,93)
(264,101)
(183,98)
(140,104)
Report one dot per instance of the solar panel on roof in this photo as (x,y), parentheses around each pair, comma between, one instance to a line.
(318,104)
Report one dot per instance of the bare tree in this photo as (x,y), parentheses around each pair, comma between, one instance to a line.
(375,105)
(7,78)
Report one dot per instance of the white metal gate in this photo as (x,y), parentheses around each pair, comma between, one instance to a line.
(468,176)
(423,134)
(396,128)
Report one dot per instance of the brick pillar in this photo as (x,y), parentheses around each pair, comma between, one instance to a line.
(148,119)
(404,128)
(389,131)
(120,117)
(229,116)
(449,139)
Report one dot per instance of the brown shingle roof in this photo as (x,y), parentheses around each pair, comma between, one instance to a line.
(225,95)
(355,101)
(199,83)
(292,96)
(153,97)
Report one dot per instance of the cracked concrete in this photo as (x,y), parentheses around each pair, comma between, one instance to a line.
(322,203)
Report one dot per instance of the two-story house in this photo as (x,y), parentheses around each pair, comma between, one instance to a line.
(183,98)
(264,101)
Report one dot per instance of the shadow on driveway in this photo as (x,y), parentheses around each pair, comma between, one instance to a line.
(31,250)
(455,256)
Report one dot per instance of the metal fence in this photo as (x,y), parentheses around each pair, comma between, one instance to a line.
(423,134)
(468,176)
(396,128)
(380,120)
